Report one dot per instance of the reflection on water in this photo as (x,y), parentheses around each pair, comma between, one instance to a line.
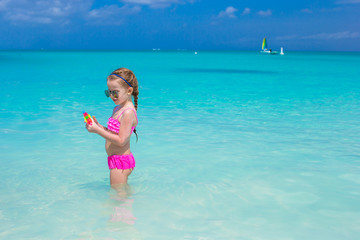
(121,219)
(122,204)
(118,218)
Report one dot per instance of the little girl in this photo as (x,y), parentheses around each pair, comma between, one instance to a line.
(122,84)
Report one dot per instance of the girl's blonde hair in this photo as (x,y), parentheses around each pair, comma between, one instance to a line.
(129,76)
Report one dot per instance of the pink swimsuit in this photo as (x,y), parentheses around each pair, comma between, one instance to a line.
(120,161)
(114,124)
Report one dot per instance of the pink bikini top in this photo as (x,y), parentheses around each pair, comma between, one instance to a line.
(114,124)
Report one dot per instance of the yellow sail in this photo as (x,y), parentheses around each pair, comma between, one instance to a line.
(264,44)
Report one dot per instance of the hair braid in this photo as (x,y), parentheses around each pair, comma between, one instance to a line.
(135,93)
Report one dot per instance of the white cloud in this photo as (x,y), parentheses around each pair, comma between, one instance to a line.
(326,10)
(306,10)
(27,18)
(111,15)
(333,36)
(286,37)
(42,11)
(113,10)
(348,2)
(229,12)
(157,3)
(266,13)
(3,4)
(62,11)
(246,11)
(322,36)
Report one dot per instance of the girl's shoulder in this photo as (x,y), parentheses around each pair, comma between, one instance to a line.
(127,112)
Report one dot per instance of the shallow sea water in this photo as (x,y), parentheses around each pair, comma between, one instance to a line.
(232,145)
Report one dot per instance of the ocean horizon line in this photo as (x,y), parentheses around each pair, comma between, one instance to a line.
(167,50)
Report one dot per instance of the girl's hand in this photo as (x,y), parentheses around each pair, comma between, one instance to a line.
(95,127)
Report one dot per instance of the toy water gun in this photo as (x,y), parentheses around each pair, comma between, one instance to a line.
(87,118)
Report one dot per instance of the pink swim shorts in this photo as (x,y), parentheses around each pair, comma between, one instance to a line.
(121,161)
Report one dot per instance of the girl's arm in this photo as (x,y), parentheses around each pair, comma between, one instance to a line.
(120,139)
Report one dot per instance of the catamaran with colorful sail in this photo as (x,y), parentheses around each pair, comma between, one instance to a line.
(264,48)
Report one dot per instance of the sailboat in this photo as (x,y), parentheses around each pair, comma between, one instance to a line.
(264,48)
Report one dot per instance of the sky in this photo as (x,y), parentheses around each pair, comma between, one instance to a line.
(332,25)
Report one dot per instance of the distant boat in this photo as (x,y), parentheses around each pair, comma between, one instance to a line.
(264,48)
(281,51)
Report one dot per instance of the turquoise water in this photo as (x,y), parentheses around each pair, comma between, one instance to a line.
(232,145)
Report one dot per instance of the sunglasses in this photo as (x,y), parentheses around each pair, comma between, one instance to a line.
(115,93)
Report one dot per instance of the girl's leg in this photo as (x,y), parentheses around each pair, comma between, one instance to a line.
(119,176)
